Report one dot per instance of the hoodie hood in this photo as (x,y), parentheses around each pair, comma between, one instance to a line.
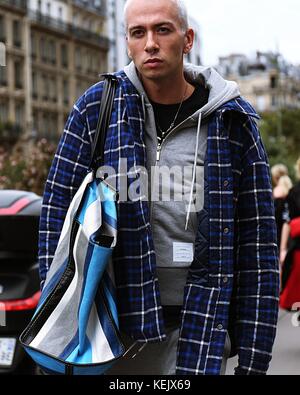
(220,90)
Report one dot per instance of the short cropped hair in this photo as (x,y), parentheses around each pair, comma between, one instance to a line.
(182,13)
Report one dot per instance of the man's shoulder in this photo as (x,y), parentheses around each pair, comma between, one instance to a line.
(93,94)
(241,107)
(240,119)
(240,122)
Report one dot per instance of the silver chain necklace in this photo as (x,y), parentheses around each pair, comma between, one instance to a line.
(175,118)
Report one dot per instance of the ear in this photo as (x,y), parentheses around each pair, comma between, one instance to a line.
(188,41)
(128,50)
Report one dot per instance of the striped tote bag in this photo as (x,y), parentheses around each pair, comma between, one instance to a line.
(75,327)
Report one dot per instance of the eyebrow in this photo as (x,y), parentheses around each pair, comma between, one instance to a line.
(156,26)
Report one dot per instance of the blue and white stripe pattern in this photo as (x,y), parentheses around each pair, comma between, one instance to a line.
(72,322)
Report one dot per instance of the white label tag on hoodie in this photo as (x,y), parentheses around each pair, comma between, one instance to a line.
(183,252)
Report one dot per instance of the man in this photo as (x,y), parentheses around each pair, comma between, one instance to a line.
(190,272)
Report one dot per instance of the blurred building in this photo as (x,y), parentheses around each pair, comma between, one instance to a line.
(194,56)
(118,57)
(55,49)
(267,80)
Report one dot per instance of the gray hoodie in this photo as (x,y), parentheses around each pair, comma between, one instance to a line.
(176,185)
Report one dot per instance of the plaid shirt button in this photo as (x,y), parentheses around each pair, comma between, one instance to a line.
(226,231)
(220,327)
(225,280)
(226,184)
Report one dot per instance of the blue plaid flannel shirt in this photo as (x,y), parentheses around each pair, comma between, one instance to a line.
(241,292)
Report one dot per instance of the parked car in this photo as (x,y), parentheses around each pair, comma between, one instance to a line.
(19,275)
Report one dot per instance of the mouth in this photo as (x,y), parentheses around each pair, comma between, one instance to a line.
(153,61)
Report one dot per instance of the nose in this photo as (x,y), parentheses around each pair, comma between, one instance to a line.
(151,43)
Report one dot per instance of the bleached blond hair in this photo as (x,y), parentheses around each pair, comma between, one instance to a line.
(182,13)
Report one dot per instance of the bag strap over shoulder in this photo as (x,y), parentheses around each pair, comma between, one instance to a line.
(106,106)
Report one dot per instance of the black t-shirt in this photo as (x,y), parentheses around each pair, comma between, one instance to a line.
(293,200)
(280,209)
(165,113)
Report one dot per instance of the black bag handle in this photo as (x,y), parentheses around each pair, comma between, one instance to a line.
(106,106)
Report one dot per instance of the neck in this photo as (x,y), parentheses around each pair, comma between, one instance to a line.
(168,91)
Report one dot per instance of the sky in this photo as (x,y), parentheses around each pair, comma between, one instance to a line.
(244,26)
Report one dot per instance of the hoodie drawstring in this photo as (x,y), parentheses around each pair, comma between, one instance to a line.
(140,349)
(144,107)
(194,172)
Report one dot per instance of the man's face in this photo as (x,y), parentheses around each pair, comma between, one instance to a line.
(155,38)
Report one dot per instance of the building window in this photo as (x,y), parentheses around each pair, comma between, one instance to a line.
(78,59)
(40,6)
(273,82)
(86,23)
(3,111)
(52,127)
(66,92)
(85,63)
(18,71)
(75,19)
(34,79)
(2,29)
(64,55)
(19,111)
(45,125)
(33,46)
(3,76)
(52,52)
(17,34)
(35,121)
(53,89)
(60,13)
(95,62)
(89,62)
(80,88)
(45,87)
(48,127)
(99,28)
(90,25)
(43,54)
(49,8)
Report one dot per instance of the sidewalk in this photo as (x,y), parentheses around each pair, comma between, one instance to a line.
(286,352)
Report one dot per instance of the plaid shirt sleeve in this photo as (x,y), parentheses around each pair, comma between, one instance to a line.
(68,169)
(257,272)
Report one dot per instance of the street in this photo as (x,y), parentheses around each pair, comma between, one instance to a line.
(286,352)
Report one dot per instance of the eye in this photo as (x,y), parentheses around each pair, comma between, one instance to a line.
(163,30)
(137,33)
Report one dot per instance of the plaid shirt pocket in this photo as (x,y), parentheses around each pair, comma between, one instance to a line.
(199,314)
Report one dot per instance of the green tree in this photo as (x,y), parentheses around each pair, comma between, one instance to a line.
(24,164)
(281,135)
